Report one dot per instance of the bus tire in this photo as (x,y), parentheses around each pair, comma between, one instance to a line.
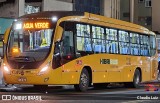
(100,85)
(136,80)
(83,81)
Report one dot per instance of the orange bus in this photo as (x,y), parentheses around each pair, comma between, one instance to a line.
(80,49)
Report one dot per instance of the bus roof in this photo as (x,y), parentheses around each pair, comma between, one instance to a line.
(119,23)
(90,16)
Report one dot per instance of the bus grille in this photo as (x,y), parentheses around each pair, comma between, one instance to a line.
(25,65)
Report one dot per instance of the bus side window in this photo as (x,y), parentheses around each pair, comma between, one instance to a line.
(135,44)
(68,48)
(112,44)
(83,40)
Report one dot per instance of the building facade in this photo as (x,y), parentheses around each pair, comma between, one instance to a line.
(141,12)
(156,16)
(156,21)
(16,8)
(137,11)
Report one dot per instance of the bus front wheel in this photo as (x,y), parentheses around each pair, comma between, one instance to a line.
(136,80)
(83,81)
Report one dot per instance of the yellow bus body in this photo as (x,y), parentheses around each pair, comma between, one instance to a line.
(120,69)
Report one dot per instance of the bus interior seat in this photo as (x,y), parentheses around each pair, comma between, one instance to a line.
(88,47)
(103,49)
(97,48)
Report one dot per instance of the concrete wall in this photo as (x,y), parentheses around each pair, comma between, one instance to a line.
(107,8)
(21,7)
(53,5)
(17,8)
(125,10)
(112,8)
(156,15)
(143,12)
(9,9)
(70,1)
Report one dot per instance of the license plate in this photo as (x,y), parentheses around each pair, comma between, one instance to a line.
(22,79)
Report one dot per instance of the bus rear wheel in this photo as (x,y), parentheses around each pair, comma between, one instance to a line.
(136,80)
(83,82)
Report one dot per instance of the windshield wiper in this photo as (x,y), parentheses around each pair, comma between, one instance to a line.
(25,59)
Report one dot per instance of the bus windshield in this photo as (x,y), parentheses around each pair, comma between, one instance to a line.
(29,45)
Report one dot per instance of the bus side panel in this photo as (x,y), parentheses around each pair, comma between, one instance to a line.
(100,77)
(145,68)
(133,63)
(154,68)
(105,68)
(127,73)
(128,67)
(71,72)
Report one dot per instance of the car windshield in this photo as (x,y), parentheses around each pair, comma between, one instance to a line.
(30,45)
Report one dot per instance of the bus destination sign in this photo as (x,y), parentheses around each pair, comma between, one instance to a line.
(36,25)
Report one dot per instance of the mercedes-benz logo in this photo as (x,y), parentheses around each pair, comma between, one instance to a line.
(22,72)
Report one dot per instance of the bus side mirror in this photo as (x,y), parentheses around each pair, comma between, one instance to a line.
(56,62)
(57,47)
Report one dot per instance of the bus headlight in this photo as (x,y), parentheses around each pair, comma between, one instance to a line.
(6,69)
(43,70)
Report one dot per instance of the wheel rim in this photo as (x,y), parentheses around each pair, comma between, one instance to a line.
(84,80)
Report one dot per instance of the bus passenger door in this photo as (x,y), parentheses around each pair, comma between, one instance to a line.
(68,52)
(64,53)
(69,72)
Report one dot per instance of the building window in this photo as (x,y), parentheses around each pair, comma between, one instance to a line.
(92,6)
(147,3)
(31,9)
(140,1)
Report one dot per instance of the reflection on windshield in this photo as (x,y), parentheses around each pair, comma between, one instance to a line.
(32,44)
(36,40)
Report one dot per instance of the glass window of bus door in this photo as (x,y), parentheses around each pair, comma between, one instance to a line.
(68,50)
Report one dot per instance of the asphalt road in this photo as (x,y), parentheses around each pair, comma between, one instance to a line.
(67,94)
